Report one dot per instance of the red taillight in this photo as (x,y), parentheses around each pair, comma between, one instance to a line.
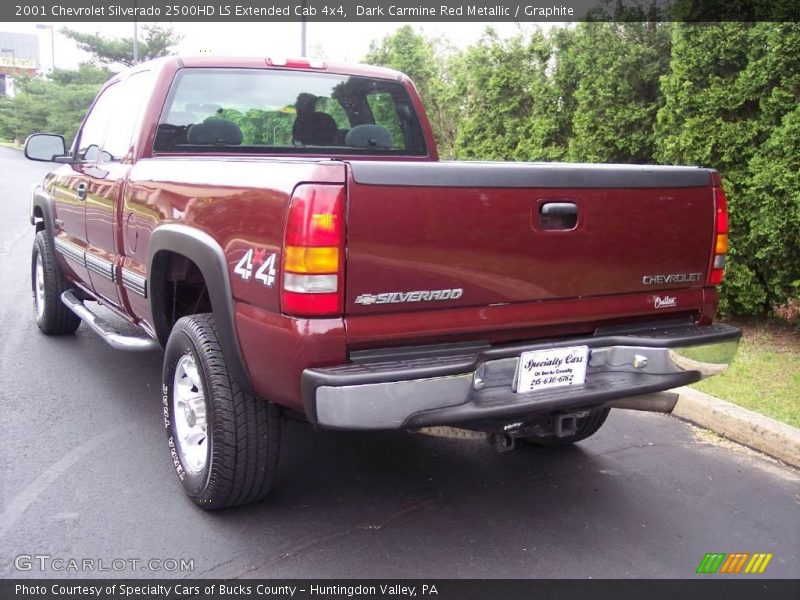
(721,205)
(720,248)
(313,252)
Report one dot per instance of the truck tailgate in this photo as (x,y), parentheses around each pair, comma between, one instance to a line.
(484,229)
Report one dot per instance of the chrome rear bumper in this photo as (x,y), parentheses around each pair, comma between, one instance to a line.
(476,385)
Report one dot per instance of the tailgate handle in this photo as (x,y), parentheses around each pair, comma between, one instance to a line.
(558,216)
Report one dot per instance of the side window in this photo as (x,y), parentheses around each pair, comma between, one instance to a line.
(384,111)
(126,108)
(94,128)
(334,109)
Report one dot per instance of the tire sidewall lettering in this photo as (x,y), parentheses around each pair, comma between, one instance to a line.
(193,483)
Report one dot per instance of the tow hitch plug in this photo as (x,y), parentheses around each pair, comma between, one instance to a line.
(502,442)
(566,425)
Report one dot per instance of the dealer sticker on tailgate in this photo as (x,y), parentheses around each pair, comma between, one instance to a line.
(541,369)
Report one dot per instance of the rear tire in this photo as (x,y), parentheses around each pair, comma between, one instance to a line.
(223,441)
(586,427)
(47,284)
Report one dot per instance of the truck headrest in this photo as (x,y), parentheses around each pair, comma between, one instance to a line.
(215,130)
(368,136)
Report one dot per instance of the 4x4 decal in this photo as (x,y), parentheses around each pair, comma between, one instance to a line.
(263,262)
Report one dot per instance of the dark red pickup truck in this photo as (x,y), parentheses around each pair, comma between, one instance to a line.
(286,231)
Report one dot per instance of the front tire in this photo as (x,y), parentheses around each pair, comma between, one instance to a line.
(223,441)
(47,284)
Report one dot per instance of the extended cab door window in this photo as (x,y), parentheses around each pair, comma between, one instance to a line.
(94,128)
(127,108)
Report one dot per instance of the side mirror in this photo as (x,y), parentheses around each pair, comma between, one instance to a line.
(45,147)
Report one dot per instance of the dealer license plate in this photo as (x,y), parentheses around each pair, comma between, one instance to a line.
(542,369)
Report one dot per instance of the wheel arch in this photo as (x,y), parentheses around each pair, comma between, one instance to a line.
(41,211)
(209,258)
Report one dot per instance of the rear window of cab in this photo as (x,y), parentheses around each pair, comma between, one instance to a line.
(293,112)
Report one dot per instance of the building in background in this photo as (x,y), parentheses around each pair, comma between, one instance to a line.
(19,54)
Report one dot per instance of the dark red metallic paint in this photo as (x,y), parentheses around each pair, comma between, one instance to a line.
(515,322)
(486,242)
(278,348)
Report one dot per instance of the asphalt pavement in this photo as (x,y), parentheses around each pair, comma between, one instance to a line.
(85,474)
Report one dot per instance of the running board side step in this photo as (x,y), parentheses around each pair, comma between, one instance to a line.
(102,328)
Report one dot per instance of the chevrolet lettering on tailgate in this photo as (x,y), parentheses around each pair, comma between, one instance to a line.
(672,278)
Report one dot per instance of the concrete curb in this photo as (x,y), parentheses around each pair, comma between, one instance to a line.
(761,433)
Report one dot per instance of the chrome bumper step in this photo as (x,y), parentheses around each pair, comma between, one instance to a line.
(478,386)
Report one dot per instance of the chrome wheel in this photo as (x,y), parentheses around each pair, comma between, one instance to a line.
(38,287)
(189,411)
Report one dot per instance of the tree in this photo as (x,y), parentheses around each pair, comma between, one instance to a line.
(157,41)
(618,66)
(513,105)
(428,62)
(731,100)
(55,105)
(769,201)
(632,11)
(565,80)
(58,102)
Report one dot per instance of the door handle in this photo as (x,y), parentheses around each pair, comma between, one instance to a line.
(82,189)
(559,215)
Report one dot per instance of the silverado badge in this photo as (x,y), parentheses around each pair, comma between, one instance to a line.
(417,296)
